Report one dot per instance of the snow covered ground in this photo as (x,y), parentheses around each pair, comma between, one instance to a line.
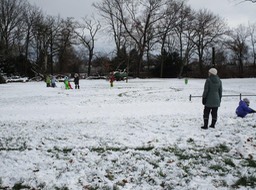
(140,135)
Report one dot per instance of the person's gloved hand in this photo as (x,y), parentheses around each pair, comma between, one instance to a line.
(204,101)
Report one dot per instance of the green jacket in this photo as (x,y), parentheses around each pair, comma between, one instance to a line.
(48,80)
(212,91)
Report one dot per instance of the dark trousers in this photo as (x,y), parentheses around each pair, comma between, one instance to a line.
(214,113)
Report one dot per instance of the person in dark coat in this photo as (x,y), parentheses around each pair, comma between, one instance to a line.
(211,98)
(53,81)
(76,81)
(243,109)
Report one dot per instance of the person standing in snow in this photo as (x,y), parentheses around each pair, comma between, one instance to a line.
(53,81)
(48,81)
(67,83)
(211,98)
(76,81)
(112,79)
(243,109)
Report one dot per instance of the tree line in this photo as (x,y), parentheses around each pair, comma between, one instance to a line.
(162,38)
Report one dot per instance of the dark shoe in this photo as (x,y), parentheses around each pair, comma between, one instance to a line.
(212,126)
(204,127)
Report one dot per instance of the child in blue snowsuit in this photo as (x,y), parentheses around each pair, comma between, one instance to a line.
(243,109)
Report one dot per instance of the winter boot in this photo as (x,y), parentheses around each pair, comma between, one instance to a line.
(205,124)
(213,123)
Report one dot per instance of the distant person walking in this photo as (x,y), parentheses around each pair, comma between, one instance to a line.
(211,97)
(76,81)
(243,109)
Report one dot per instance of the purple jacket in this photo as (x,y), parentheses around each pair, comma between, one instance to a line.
(242,110)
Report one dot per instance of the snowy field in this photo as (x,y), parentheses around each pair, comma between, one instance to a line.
(140,135)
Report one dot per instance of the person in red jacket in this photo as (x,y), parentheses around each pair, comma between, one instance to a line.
(243,109)
(111,79)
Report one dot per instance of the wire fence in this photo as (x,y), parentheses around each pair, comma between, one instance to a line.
(235,95)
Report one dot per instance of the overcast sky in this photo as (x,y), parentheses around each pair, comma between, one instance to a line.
(231,10)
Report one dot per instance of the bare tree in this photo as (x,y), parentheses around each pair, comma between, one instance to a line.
(65,40)
(138,19)
(42,39)
(166,27)
(184,33)
(238,45)
(11,12)
(132,23)
(45,41)
(87,36)
(30,17)
(207,30)
(252,33)
(110,14)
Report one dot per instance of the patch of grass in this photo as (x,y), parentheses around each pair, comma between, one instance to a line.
(146,148)
(186,169)
(219,149)
(219,183)
(119,183)
(155,165)
(223,148)
(88,187)
(116,149)
(206,156)
(161,173)
(168,149)
(19,186)
(182,154)
(157,153)
(67,150)
(61,188)
(218,168)
(246,182)
(98,149)
(57,151)
(64,150)
(249,163)
(190,140)
(49,150)
(21,148)
(110,176)
(104,149)
(229,162)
